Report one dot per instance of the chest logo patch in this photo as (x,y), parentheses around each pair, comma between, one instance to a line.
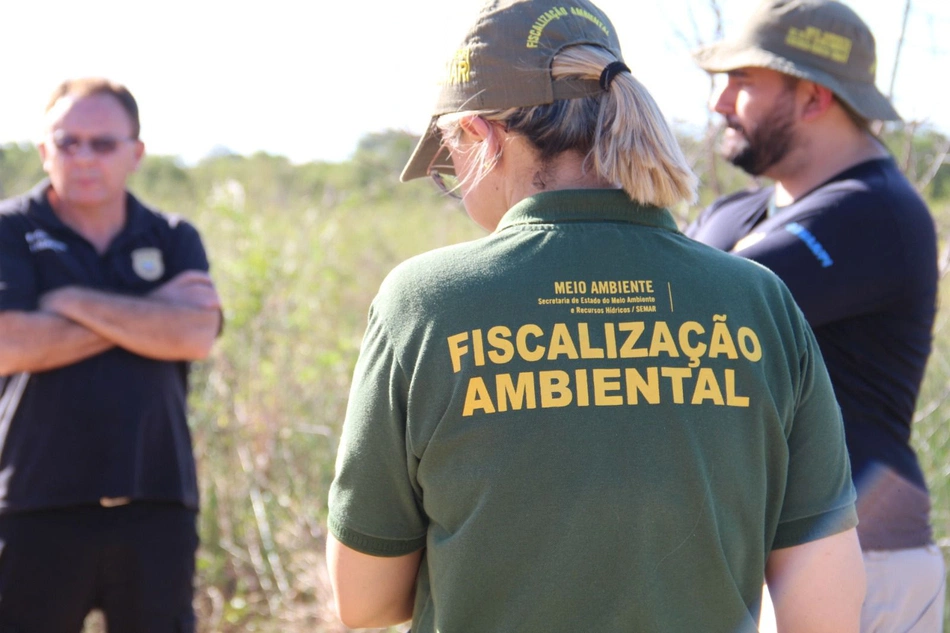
(39,240)
(148,263)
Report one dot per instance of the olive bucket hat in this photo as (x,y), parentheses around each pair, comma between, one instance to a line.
(817,40)
(505,62)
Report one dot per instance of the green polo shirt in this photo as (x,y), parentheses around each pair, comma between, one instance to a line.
(590,423)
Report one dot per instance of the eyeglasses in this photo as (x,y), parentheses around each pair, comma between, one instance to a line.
(446,183)
(100,145)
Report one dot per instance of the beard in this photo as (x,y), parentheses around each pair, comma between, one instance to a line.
(757,149)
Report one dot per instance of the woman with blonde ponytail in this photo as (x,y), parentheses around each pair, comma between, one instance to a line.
(583,421)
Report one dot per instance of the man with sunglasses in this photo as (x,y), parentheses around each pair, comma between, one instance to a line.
(103,304)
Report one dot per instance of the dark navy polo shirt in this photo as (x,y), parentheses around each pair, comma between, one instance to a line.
(113,424)
(859,254)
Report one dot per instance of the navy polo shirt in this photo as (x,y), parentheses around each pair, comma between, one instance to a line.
(113,424)
(859,254)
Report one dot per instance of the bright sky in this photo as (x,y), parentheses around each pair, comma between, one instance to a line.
(307,78)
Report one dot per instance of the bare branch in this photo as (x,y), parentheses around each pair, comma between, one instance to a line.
(897,54)
(939,160)
(717,14)
(712,129)
(695,40)
(925,410)
(943,265)
(910,157)
(266,537)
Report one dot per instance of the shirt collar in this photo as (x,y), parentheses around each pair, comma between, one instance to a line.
(135,214)
(854,171)
(585,205)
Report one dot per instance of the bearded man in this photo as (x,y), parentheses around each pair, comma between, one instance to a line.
(856,245)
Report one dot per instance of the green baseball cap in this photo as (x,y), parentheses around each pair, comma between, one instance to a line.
(505,62)
(818,40)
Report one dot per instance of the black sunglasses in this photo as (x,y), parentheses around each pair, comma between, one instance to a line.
(100,145)
(446,183)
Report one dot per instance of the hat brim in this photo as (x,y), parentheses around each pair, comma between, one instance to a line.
(865,99)
(429,151)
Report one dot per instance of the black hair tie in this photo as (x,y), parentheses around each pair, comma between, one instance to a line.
(610,71)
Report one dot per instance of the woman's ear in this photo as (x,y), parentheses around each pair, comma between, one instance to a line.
(480,130)
(476,127)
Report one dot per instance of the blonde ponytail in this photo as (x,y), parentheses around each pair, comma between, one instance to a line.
(633,145)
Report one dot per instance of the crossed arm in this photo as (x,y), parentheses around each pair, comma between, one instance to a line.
(178,321)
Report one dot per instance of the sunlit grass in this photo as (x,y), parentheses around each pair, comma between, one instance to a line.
(298,253)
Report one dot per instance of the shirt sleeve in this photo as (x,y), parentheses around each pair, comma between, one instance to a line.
(375,504)
(819,494)
(17,272)
(186,251)
(840,257)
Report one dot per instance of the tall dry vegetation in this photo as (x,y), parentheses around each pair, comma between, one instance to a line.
(298,252)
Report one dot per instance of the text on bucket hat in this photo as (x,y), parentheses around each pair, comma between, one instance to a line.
(505,62)
(819,40)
